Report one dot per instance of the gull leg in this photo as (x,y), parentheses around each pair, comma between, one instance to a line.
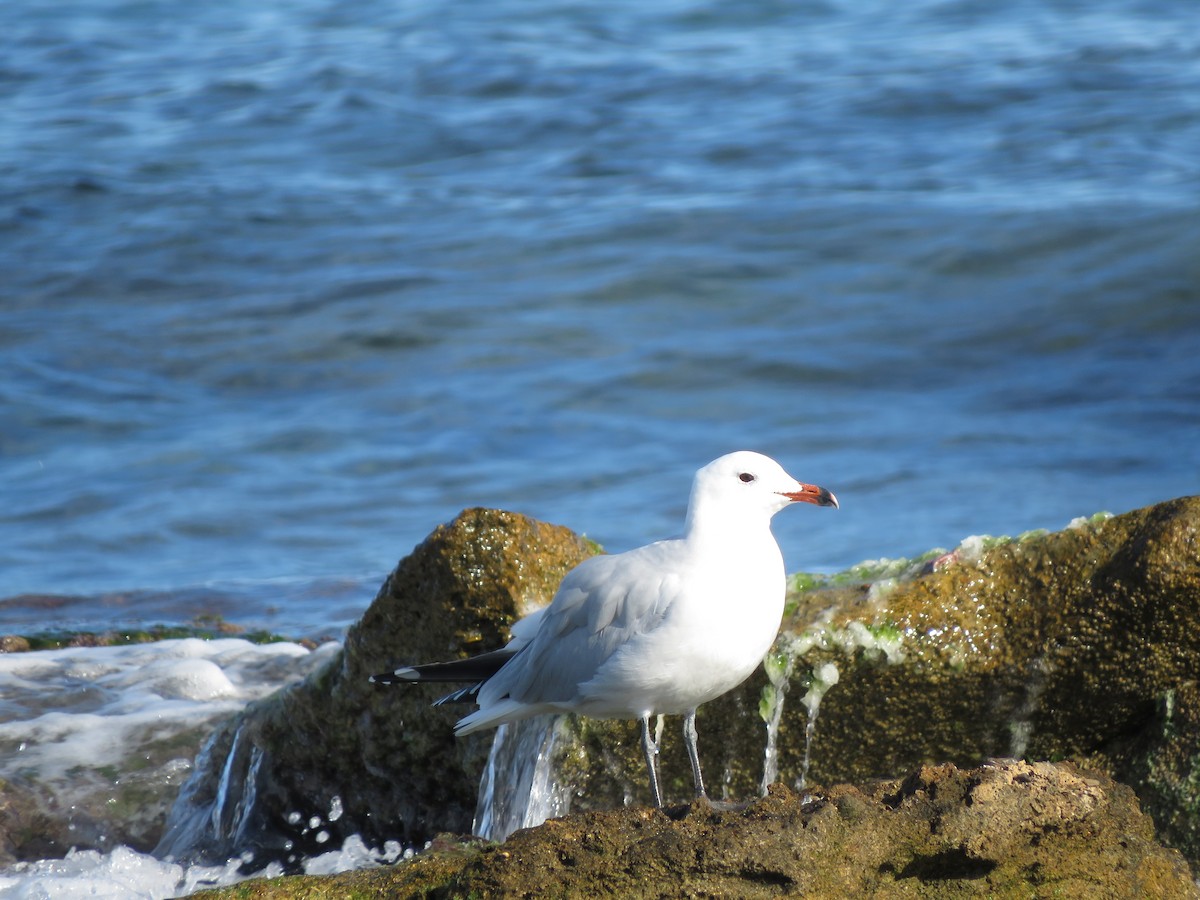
(689,740)
(650,748)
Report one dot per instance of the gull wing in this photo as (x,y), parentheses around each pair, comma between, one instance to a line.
(600,605)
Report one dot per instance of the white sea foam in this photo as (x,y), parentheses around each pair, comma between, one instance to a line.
(81,724)
(89,707)
(121,874)
(124,874)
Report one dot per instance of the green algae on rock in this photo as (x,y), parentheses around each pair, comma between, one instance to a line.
(204,630)
(1006,829)
(1047,646)
(1053,646)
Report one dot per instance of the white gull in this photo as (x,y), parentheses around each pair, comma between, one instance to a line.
(656,630)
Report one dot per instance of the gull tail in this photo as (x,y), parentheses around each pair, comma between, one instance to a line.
(476,670)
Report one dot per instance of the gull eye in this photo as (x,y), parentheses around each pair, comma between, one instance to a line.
(746,478)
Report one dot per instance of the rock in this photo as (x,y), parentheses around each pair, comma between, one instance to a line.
(28,829)
(1163,760)
(335,755)
(13,643)
(1005,829)
(99,810)
(1083,643)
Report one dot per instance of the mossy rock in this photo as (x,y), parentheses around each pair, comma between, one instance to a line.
(1076,644)
(1083,643)
(334,755)
(1007,829)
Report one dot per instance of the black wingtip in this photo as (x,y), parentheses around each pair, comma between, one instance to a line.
(403,675)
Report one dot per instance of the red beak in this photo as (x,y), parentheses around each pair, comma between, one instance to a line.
(810,493)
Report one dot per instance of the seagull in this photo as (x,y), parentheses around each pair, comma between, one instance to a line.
(657,630)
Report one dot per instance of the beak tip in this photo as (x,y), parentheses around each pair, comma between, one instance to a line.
(810,493)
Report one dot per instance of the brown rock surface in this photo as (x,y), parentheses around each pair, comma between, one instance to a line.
(1006,829)
(1083,643)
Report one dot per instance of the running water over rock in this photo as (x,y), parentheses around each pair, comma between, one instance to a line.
(523,782)
(824,677)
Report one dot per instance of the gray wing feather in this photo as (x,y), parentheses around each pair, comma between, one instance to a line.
(598,607)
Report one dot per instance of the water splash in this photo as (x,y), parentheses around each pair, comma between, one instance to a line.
(237,792)
(195,817)
(824,677)
(126,874)
(882,642)
(519,788)
(779,668)
(207,825)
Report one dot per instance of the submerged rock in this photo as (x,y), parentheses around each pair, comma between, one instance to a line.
(28,830)
(1004,829)
(100,810)
(298,772)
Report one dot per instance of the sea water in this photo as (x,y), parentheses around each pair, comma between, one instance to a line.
(285,285)
(288,284)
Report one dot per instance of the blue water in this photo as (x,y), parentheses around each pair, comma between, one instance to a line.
(286,284)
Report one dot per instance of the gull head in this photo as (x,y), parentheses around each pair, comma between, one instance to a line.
(748,484)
